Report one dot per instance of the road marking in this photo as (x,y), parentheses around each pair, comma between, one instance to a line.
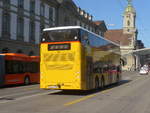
(79,100)
(90,96)
(25,97)
(86,97)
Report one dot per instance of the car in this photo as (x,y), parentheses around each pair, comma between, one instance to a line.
(143,71)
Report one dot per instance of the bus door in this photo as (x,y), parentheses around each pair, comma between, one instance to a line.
(89,71)
(2,70)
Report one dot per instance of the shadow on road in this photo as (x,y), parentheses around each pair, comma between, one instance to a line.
(15,85)
(88,92)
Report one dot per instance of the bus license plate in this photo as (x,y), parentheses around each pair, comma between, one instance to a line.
(53,87)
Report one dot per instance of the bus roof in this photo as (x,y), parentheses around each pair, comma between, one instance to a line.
(35,58)
(13,54)
(63,27)
(77,27)
(20,57)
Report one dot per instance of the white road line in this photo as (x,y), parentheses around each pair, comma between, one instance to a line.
(25,97)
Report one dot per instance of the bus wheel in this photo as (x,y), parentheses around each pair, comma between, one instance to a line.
(26,81)
(102,82)
(117,81)
(96,83)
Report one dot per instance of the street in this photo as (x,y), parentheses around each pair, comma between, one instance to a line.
(131,95)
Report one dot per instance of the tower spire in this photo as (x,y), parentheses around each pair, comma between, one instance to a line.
(129,18)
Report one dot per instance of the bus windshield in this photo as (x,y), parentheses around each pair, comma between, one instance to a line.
(60,35)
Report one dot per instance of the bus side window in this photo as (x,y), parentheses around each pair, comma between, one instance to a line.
(95,70)
(15,67)
(35,67)
(21,67)
(100,70)
(8,67)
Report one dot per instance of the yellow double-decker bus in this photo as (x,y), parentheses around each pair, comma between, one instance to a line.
(73,58)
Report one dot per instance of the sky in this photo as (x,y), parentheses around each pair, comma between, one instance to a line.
(111,11)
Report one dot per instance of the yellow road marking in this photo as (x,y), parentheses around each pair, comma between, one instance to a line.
(90,96)
(79,100)
(85,98)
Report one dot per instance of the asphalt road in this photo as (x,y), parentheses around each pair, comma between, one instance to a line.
(131,95)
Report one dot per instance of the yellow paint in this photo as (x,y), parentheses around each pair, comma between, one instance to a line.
(79,100)
(61,69)
(86,97)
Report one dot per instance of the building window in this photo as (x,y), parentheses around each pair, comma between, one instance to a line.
(128,22)
(20,28)
(6,23)
(19,51)
(32,6)
(6,1)
(20,3)
(42,9)
(31,53)
(100,33)
(128,16)
(51,16)
(32,31)
(75,22)
(6,4)
(66,21)
(41,30)
(5,50)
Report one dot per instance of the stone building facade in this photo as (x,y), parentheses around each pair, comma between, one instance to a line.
(22,22)
(71,15)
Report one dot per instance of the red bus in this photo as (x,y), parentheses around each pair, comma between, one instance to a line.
(18,69)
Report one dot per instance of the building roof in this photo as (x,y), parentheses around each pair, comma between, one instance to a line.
(101,24)
(118,37)
(98,22)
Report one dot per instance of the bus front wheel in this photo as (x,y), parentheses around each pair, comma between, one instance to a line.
(102,82)
(118,79)
(26,80)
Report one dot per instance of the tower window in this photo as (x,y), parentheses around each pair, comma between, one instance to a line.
(128,22)
(128,16)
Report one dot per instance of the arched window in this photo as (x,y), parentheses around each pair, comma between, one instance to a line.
(128,22)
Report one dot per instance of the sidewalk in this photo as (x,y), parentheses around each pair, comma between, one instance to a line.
(124,73)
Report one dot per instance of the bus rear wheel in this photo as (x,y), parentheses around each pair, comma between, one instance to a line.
(96,83)
(26,80)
